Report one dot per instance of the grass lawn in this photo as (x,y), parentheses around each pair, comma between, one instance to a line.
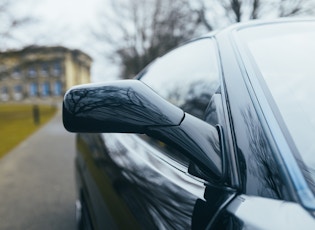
(16,123)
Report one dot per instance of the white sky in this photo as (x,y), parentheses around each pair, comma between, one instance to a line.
(68,23)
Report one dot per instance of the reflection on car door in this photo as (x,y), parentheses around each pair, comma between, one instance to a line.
(135,181)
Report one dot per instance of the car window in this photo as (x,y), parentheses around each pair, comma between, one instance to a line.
(289,76)
(187,76)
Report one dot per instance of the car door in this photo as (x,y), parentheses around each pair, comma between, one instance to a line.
(135,181)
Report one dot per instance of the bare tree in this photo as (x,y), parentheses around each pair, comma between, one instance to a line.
(9,22)
(233,9)
(295,7)
(145,29)
(137,31)
(242,10)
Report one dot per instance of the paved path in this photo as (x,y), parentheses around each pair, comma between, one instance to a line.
(37,188)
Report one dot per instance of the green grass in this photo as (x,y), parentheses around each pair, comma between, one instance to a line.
(16,123)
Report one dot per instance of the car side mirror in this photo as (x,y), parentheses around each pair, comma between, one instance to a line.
(130,106)
(126,106)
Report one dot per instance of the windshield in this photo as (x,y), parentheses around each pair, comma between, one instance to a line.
(285,56)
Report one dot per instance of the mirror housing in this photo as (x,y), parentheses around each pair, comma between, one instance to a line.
(130,106)
(127,106)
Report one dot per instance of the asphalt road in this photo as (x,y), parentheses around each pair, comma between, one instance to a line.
(37,189)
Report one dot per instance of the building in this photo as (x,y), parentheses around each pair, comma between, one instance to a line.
(41,73)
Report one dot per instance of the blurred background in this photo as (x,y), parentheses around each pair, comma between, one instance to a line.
(47,46)
(122,36)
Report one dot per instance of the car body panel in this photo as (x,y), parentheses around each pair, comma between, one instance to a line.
(127,176)
(137,181)
(271,214)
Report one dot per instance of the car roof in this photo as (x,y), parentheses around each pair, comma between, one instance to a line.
(256,22)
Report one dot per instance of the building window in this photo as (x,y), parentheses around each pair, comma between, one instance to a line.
(4,94)
(57,69)
(33,89)
(32,71)
(16,73)
(18,92)
(58,88)
(45,89)
(44,69)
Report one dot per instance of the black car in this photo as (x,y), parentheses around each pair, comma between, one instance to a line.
(219,133)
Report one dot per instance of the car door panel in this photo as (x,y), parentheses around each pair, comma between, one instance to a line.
(140,188)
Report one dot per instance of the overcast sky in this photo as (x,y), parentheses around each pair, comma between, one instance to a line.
(64,22)
(68,23)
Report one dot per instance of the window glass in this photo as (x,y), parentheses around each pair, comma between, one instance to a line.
(4,93)
(289,75)
(32,71)
(18,92)
(18,88)
(44,69)
(4,90)
(57,88)
(16,73)
(45,89)
(33,89)
(187,76)
(57,69)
